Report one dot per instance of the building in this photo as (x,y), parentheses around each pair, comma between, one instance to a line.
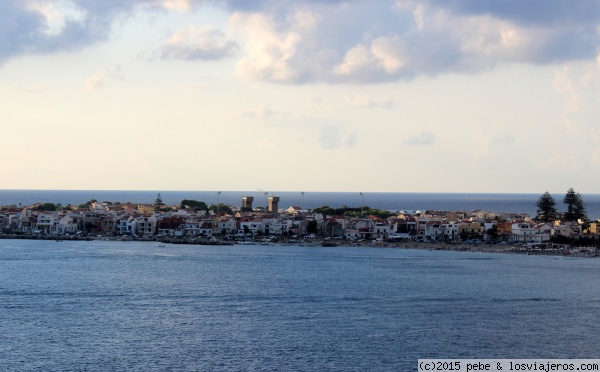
(273,204)
(247,201)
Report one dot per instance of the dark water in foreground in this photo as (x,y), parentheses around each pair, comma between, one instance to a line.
(137,306)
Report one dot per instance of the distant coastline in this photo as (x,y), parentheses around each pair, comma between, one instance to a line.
(459,222)
(499,202)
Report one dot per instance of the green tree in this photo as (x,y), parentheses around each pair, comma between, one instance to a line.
(311,227)
(575,206)
(194,204)
(352,211)
(158,203)
(222,208)
(46,207)
(546,208)
(325,210)
(493,232)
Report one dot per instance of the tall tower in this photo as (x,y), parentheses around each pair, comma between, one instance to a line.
(274,204)
(247,201)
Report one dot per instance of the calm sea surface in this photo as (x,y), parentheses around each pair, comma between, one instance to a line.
(138,306)
(520,203)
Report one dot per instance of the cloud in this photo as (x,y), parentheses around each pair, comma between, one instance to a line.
(350,141)
(48,26)
(425,38)
(420,139)
(507,139)
(368,102)
(385,55)
(331,138)
(330,41)
(536,12)
(563,84)
(38,88)
(263,112)
(101,78)
(194,43)
(272,51)
(178,5)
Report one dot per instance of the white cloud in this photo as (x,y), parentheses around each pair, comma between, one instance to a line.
(329,41)
(364,101)
(101,78)
(444,41)
(273,53)
(486,38)
(263,112)
(178,5)
(385,55)
(194,43)
(420,139)
(38,88)
(507,139)
(563,84)
(419,15)
(330,138)
(594,158)
(350,141)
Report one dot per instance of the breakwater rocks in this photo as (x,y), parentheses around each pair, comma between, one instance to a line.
(60,238)
(45,237)
(196,241)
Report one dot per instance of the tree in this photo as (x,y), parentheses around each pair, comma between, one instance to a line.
(221,208)
(158,203)
(546,211)
(493,232)
(575,206)
(194,204)
(311,227)
(48,207)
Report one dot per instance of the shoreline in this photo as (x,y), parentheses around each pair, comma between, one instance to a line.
(582,252)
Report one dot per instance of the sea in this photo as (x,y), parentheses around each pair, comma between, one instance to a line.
(145,306)
(510,203)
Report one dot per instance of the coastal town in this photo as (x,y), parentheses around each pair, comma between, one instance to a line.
(195,222)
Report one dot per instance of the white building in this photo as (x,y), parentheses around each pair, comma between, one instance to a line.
(523,232)
(65,225)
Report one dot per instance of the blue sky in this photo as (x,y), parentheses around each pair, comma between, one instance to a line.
(308,95)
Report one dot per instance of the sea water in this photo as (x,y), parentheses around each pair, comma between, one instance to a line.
(517,203)
(107,305)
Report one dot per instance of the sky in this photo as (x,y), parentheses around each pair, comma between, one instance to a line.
(306,95)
